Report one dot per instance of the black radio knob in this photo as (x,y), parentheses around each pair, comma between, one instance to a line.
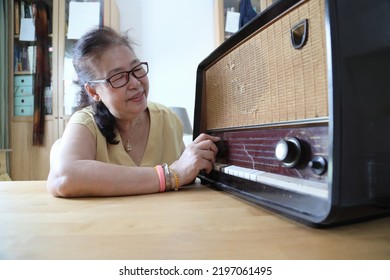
(318,165)
(288,151)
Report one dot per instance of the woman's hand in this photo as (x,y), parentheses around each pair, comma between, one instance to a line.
(199,155)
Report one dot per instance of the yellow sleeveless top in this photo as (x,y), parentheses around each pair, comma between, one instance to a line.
(165,142)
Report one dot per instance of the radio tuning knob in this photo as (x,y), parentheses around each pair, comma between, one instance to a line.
(288,151)
(318,165)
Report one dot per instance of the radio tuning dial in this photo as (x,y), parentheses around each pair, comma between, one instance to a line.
(288,151)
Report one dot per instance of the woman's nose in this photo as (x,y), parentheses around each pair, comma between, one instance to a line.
(133,81)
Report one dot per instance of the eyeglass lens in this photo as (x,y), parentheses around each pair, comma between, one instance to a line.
(122,78)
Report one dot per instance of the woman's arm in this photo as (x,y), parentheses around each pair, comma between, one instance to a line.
(74,172)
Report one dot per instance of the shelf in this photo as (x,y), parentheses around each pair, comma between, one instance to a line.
(17,37)
(23,73)
(30,118)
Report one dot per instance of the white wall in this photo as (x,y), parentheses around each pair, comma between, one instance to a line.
(174,36)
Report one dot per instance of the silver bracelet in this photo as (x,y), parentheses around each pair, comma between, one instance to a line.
(168,180)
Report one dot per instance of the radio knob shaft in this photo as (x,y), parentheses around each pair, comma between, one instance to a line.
(288,151)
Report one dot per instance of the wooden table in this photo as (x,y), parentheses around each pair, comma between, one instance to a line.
(194,223)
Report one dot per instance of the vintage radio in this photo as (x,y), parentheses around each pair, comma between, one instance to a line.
(300,97)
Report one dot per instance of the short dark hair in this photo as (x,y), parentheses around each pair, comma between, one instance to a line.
(86,56)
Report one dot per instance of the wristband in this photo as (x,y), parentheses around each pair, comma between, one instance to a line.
(161,177)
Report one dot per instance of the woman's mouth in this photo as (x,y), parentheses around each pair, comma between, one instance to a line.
(138,97)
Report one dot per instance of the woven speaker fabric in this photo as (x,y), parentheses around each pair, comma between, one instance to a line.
(264,80)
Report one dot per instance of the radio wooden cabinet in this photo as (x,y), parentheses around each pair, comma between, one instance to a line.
(28,161)
(300,100)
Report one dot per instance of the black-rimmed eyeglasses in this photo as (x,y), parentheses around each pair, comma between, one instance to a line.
(122,78)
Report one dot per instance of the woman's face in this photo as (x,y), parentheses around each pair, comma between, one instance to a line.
(128,101)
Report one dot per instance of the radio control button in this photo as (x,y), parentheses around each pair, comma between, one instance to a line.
(288,151)
(281,151)
(318,165)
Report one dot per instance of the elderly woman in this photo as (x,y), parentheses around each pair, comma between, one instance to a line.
(120,143)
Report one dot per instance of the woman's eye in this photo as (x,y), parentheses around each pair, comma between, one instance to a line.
(118,77)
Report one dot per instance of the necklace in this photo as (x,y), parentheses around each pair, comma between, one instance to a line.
(128,144)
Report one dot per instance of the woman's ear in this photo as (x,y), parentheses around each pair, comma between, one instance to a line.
(92,92)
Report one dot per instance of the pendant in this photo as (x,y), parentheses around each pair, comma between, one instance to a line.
(128,147)
(128,144)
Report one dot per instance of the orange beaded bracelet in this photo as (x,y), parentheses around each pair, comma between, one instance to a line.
(176,179)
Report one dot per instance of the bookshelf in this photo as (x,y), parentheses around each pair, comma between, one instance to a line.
(29,161)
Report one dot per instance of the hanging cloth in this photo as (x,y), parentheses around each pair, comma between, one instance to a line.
(246,12)
(42,73)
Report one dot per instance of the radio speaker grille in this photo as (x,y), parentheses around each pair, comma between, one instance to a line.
(266,80)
